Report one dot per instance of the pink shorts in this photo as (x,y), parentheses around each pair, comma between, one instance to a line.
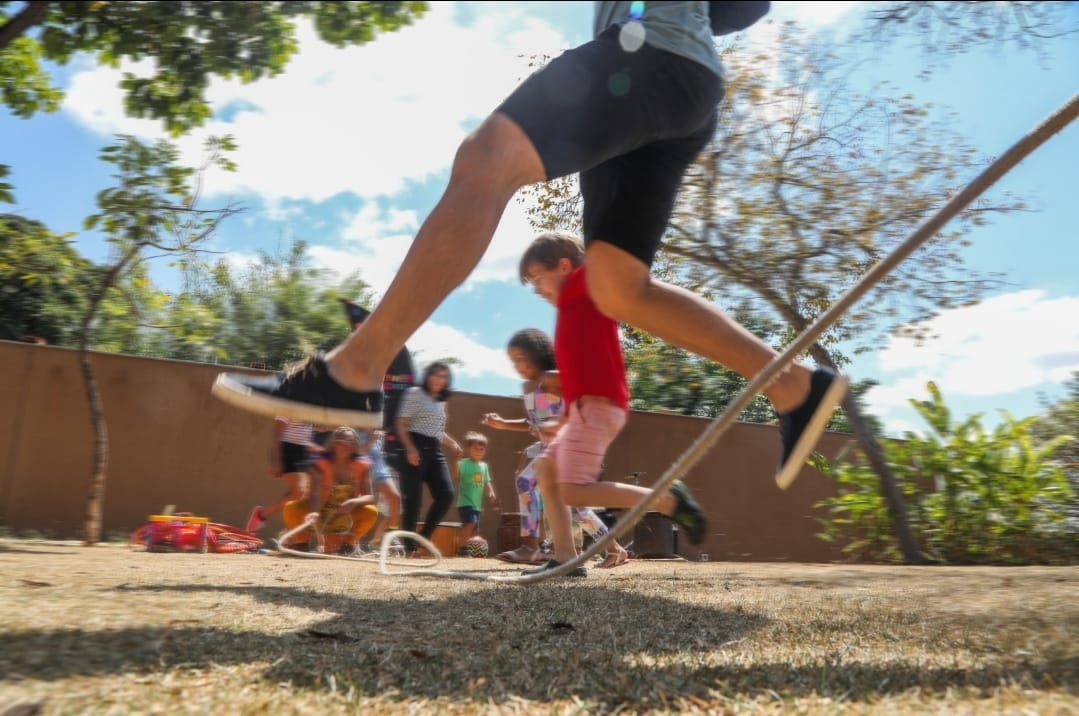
(581,443)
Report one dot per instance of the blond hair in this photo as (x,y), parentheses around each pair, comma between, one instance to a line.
(474,438)
(345,434)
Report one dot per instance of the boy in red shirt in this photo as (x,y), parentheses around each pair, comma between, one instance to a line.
(596,395)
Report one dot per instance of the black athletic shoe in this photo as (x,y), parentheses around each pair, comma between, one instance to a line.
(306,392)
(551,564)
(688,515)
(802,427)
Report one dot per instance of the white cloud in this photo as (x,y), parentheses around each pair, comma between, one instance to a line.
(1011,342)
(366,120)
(238,261)
(434,341)
(813,14)
(377,241)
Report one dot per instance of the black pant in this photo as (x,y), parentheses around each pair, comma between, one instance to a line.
(435,473)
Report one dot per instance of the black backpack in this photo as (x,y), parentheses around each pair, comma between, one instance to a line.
(734,15)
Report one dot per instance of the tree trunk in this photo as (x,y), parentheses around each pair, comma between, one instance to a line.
(95,503)
(897,507)
(31,15)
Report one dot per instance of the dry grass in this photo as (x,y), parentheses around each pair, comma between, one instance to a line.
(107,630)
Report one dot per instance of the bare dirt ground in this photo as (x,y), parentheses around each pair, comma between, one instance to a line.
(109,630)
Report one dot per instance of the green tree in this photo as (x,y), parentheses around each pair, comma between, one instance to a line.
(950,28)
(190,43)
(42,282)
(1061,417)
(266,314)
(46,287)
(759,213)
(153,206)
(976,496)
(664,377)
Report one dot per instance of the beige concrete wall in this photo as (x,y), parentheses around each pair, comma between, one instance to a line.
(171,442)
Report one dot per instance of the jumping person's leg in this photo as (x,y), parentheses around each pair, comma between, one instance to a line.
(564,118)
(495,161)
(624,289)
(627,203)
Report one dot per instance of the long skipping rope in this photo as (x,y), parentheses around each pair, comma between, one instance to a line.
(384,556)
(1041,133)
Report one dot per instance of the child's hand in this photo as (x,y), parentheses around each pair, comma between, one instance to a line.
(491,420)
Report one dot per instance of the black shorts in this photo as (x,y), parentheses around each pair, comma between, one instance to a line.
(294,458)
(629,122)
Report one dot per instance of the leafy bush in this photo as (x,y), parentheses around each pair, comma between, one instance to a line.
(973,496)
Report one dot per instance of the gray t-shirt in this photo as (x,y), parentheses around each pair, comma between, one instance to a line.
(679,27)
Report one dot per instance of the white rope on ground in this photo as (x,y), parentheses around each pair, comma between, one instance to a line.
(418,567)
(998,168)
(310,522)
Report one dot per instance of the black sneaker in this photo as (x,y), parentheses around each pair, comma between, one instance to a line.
(551,564)
(688,515)
(306,392)
(802,427)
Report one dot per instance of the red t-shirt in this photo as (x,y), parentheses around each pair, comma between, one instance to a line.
(587,348)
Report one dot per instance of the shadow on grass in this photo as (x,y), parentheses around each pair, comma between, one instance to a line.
(546,642)
(9,549)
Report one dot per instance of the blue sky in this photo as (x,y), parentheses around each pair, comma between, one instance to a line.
(349,149)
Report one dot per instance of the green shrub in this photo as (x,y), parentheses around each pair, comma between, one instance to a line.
(973,496)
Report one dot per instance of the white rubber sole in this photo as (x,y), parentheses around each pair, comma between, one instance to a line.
(832,397)
(235,393)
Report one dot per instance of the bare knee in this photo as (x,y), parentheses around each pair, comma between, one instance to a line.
(567,493)
(497,155)
(545,475)
(617,283)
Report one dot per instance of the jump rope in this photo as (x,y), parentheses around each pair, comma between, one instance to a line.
(1033,139)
